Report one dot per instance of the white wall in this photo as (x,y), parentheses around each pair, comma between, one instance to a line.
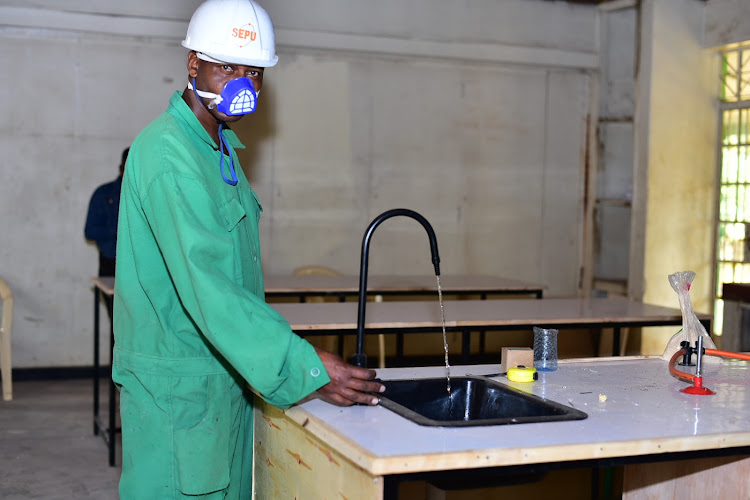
(614,173)
(676,141)
(727,22)
(490,156)
(75,105)
(472,113)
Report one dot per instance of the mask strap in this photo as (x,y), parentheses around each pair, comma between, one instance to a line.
(215,99)
(195,91)
(223,144)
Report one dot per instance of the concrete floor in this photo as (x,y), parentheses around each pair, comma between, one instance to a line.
(47,446)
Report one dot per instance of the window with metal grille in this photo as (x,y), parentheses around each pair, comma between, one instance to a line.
(733,232)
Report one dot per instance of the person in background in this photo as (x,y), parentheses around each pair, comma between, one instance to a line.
(192,328)
(101,224)
(101,221)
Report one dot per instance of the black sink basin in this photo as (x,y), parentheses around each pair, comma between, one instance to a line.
(473,401)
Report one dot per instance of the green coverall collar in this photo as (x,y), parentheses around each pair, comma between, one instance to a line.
(181,109)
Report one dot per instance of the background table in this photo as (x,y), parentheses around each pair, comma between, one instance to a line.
(402,317)
(104,287)
(480,315)
(343,286)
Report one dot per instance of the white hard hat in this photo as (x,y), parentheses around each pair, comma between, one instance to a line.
(232,31)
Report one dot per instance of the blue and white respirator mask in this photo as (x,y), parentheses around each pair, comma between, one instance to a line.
(237,98)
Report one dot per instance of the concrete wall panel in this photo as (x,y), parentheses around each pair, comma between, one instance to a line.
(681,160)
(488,151)
(727,22)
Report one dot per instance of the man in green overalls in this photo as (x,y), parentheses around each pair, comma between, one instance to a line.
(192,328)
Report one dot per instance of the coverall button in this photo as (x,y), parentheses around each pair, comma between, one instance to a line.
(315,372)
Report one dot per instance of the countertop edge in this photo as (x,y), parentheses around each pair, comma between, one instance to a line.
(492,457)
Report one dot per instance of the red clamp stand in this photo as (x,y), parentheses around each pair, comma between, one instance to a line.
(697,388)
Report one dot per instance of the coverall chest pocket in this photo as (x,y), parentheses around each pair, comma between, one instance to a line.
(232,212)
(257,202)
(202,423)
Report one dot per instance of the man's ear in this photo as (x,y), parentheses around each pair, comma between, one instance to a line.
(193,61)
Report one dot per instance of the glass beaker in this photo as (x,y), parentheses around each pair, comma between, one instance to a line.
(545,349)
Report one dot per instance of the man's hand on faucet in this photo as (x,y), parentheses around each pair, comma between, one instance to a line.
(349,384)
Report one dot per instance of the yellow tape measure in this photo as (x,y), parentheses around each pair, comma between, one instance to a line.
(522,374)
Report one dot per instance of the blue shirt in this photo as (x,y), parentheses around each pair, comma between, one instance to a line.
(101,221)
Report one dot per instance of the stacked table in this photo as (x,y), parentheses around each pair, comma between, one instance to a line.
(480,315)
(343,286)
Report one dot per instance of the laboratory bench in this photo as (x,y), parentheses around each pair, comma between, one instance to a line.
(671,444)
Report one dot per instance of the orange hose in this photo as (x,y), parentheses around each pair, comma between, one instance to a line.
(685,377)
(728,354)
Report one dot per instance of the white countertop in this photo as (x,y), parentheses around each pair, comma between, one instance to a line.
(644,413)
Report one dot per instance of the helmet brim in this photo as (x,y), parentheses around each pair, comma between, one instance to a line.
(258,63)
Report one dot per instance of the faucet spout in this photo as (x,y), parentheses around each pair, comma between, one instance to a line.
(360,358)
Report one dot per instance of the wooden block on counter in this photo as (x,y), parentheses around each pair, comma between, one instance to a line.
(513,356)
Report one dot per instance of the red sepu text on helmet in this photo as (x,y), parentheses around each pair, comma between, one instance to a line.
(246,33)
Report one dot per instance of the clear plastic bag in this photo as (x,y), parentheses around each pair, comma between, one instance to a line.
(691,327)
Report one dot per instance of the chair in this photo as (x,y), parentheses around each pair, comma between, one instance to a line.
(6,296)
(315,270)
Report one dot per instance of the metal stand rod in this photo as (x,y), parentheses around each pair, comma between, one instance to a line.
(96,359)
(112,395)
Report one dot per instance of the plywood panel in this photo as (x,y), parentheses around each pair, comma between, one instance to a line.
(291,463)
(700,478)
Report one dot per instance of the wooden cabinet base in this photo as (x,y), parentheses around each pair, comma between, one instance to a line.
(289,462)
(723,477)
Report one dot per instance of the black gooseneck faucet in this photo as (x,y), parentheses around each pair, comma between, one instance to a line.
(360,358)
